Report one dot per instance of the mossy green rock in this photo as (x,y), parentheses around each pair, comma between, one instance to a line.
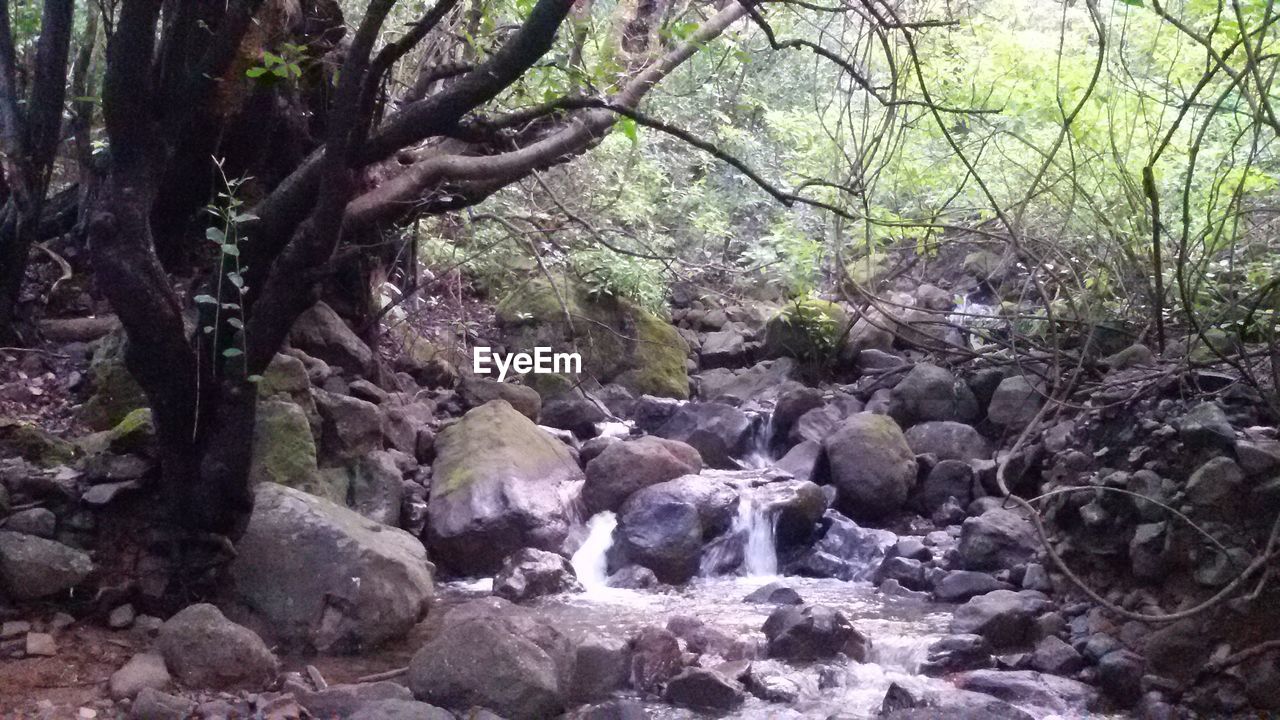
(805,329)
(499,484)
(115,392)
(619,341)
(34,444)
(286,378)
(284,452)
(134,433)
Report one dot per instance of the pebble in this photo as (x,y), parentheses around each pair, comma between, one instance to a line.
(121,617)
(41,644)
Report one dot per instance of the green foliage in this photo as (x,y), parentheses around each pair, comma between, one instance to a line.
(284,65)
(228,213)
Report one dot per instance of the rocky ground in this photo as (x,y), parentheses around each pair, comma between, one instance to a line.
(380,473)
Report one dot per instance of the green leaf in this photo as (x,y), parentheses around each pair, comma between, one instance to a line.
(255,72)
(229,249)
(235,323)
(236,279)
(215,235)
(232,352)
(628,128)
(1135,3)
(255,379)
(206,300)
(243,217)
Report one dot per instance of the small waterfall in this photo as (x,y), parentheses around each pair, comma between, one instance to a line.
(759,454)
(748,547)
(590,562)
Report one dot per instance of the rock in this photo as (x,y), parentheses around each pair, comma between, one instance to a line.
(1004,617)
(407,427)
(610,710)
(1216,486)
(494,661)
(795,508)
(625,467)
(575,411)
(908,573)
(805,461)
(343,700)
(724,347)
(703,639)
(602,666)
(947,479)
(40,645)
(718,432)
(960,585)
(926,393)
(531,573)
(33,567)
(1120,676)
(152,704)
(618,399)
(655,658)
(1206,426)
(663,527)
(364,390)
(1049,693)
(144,670)
(957,653)
(775,593)
(649,413)
(284,452)
(403,710)
(476,391)
(1147,554)
(871,465)
(39,521)
(1262,681)
(844,550)
(295,567)
(1055,657)
(121,617)
(634,577)
(34,444)
(1015,402)
(806,634)
(115,392)
(816,424)
(1132,356)
(376,487)
(792,404)
(319,332)
(203,649)
(499,484)
(998,539)
(703,689)
(806,329)
(948,441)
(350,428)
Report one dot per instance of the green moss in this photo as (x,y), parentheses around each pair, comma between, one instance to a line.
(806,329)
(134,433)
(286,375)
(284,452)
(115,392)
(34,444)
(491,440)
(659,360)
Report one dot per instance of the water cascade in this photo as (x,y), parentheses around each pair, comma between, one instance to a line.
(759,452)
(748,547)
(590,562)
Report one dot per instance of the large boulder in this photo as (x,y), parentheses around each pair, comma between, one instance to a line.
(998,539)
(806,329)
(844,550)
(704,689)
(350,427)
(284,451)
(1206,426)
(795,508)
(1048,694)
(619,341)
(205,650)
(319,332)
(499,484)
(32,567)
(760,384)
(948,440)
(476,391)
(871,465)
(532,573)
(663,527)
(810,633)
(926,393)
(719,432)
(1004,617)
(322,577)
(625,467)
(491,654)
(1014,403)
(376,486)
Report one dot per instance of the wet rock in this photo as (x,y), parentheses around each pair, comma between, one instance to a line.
(622,468)
(319,332)
(204,649)
(1147,555)
(487,656)
(947,479)
(610,710)
(871,465)
(1036,578)
(907,572)
(844,550)
(649,413)
(499,484)
(40,522)
(476,391)
(1120,676)
(719,432)
(704,689)
(663,527)
(775,593)
(926,393)
(792,404)
(1055,657)
(575,411)
(350,428)
(948,440)
(634,577)
(957,653)
(816,424)
(152,704)
(284,451)
(655,658)
(1014,403)
(795,507)
(144,670)
(1029,688)
(960,585)
(806,634)
(805,461)
(724,348)
(1206,426)
(602,666)
(33,567)
(1004,617)
(294,570)
(531,573)
(997,539)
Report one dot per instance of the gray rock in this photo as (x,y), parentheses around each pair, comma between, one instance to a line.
(152,704)
(575,411)
(1120,676)
(622,468)
(1055,657)
(476,391)
(33,567)
(775,593)
(908,573)
(724,347)
(144,670)
(704,689)
(204,649)
(321,333)
(947,479)
(1027,688)
(634,577)
(792,404)
(400,710)
(41,645)
(1004,617)
(663,527)
(960,585)
(350,428)
(871,465)
(343,700)
(948,440)
(795,507)
(805,461)
(810,633)
(957,653)
(499,484)
(531,573)
(602,666)
(1216,485)
(1014,403)
(120,617)
(1206,426)
(39,521)
(610,710)
(926,393)
(718,432)
(655,658)
(844,550)
(376,487)
(998,539)
(295,566)
(1147,554)
(649,413)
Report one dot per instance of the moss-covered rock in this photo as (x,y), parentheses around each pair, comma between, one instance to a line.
(806,329)
(619,341)
(286,378)
(134,433)
(34,444)
(115,392)
(284,452)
